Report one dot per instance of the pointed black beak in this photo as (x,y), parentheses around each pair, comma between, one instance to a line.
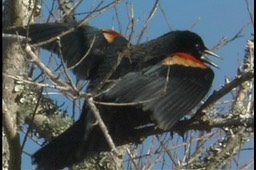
(207,60)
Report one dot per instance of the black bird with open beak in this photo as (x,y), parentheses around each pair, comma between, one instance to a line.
(168,82)
(156,84)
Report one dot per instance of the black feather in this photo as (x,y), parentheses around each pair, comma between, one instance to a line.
(74,45)
(168,100)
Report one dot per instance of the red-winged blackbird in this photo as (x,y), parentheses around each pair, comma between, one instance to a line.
(83,49)
(155,84)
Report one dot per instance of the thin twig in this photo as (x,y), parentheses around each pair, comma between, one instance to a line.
(102,83)
(84,22)
(132,159)
(132,21)
(33,58)
(222,92)
(191,124)
(86,54)
(151,14)
(43,85)
(73,86)
(102,126)
(250,12)
(32,119)
(165,17)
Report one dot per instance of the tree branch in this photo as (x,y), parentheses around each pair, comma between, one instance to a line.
(216,95)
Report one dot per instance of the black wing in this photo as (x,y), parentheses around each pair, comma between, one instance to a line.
(74,45)
(167,92)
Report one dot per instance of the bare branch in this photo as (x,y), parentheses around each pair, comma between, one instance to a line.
(150,16)
(223,91)
(102,125)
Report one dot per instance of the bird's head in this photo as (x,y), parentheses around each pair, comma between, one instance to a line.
(190,43)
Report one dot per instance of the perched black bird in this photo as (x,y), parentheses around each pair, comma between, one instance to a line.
(83,49)
(155,84)
(170,85)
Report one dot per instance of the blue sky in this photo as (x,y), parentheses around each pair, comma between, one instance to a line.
(214,20)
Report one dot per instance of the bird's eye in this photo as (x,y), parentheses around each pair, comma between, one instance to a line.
(197,46)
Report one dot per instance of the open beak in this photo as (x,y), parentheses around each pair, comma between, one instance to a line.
(207,60)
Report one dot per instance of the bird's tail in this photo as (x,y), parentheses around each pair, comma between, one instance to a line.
(81,140)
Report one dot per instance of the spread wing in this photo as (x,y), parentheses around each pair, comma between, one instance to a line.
(166,92)
(74,45)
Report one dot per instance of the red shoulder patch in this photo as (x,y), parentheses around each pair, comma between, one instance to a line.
(111,35)
(184,59)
